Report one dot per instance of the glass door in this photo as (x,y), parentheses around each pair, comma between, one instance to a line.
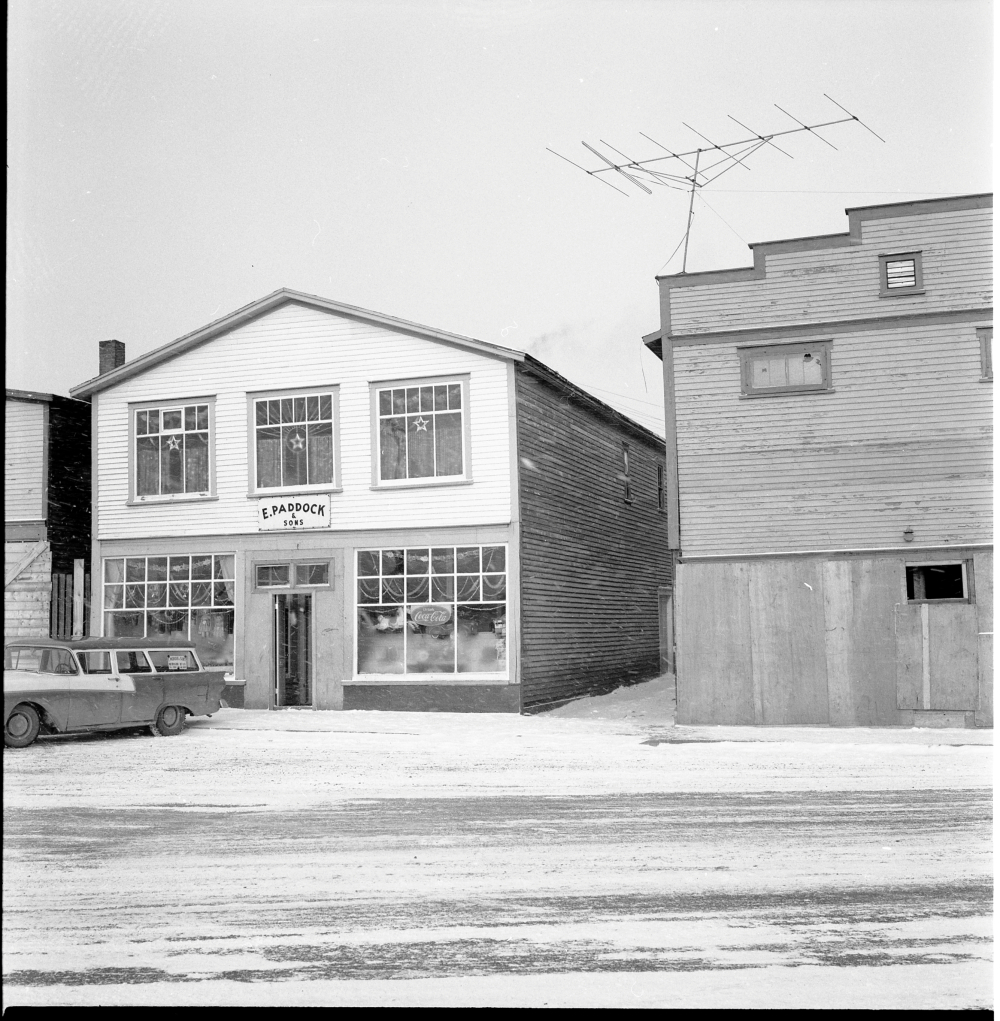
(293,650)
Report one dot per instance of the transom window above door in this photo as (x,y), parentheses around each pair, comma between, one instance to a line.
(295,440)
(172,450)
(421,431)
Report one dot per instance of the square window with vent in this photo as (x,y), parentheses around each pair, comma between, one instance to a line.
(785,368)
(900,274)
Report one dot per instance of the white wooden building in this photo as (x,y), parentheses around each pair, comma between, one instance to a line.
(331,503)
(829,452)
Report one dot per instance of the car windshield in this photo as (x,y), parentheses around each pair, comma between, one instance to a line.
(38,660)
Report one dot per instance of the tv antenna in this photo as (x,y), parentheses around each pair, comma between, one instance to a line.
(705,164)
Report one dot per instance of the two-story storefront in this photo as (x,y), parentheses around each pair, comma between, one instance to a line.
(345,510)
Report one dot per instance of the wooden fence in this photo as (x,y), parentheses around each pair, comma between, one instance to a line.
(61,612)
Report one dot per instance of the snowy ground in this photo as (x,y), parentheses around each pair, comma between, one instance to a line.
(593,855)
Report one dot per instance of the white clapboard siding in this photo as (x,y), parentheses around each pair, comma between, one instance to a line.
(837,283)
(295,346)
(24,461)
(905,440)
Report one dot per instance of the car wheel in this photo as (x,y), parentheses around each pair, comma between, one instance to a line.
(169,721)
(22,726)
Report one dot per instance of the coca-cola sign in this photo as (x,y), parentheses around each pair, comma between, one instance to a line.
(431,613)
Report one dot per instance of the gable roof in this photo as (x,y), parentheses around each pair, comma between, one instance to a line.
(278,298)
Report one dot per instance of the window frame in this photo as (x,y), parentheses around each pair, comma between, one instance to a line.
(134,499)
(253,490)
(626,476)
(294,584)
(747,354)
(465,479)
(918,274)
(985,337)
(434,677)
(968,581)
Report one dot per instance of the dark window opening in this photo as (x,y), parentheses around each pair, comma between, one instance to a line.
(626,481)
(659,487)
(930,582)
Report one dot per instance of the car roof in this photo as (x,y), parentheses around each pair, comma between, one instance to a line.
(100,643)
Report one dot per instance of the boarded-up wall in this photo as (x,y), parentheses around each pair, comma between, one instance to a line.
(24,460)
(26,599)
(591,564)
(817,641)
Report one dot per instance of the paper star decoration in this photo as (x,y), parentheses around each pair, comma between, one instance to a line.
(173,443)
(297,442)
(421,424)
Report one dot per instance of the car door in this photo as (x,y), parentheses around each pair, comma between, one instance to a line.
(144,690)
(96,692)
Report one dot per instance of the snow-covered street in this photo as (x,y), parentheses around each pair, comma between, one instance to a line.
(595,855)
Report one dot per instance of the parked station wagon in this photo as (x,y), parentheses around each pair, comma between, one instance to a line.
(56,687)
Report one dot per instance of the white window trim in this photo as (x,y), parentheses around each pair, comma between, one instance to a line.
(747,354)
(134,500)
(254,492)
(431,677)
(463,379)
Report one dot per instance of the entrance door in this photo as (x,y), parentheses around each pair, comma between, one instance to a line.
(293,650)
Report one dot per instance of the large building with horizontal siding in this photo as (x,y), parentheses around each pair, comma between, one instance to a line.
(346,510)
(829,453)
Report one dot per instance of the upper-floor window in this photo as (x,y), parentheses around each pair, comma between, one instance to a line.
(985,334)
(421,430)
(900,274)
(172,449)
(294,440)
(785,368)
(626,480)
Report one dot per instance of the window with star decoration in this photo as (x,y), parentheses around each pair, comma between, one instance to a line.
(420,432)
(294,441)
(172,450)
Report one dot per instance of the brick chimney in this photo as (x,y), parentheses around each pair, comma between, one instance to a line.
(112,355)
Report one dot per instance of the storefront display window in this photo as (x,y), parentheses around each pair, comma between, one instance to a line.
(432,610)
(189,597)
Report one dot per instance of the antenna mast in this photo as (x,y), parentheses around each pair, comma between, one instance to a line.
(642,173)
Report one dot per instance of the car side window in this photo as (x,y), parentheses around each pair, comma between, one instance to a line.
(25,659)
(133,662)
(57,661)
(95,662)
(172,660)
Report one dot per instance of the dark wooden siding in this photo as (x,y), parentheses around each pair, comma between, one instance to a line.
(591,565)
(69,482)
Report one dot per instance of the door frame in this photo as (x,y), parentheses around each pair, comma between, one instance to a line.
(275,704)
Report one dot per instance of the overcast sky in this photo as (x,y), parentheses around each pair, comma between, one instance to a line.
(171,161)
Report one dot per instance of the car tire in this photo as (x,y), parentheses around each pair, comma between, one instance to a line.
(169,721)
(22,726)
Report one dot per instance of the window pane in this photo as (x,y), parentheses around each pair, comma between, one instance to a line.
(179,594)
(114,597)
(132,663)
(147,466)
(224,593)
(320,446)
(935,581)
(454,396)
(440,398)
(369,590)
(368,563)
(293,467)
(812,369)
(57,661)
(482,639)
(153,421)
(95,662)
(196,463)
(212,634)
(417,561)
(273,575)
(420,447)
(286,409)
(224,566)
(442,590)
(156,595)
(398,402)
(172,420)
(167,623)
(468,560)
(300,409)
(274,412)
(312,574)
(392,590)
(443,560)
(268,458)
(201,567)
(171,464)
(172,660)
(135,569)
(430,648)
(140,423)
(203,417)
(468,588)
(201,594)
(412,398)
(260,415)
(380,639)
(449,444)
(156,568)
(392,448)
(427,398)
(191,418)
(135,597)
(494,586)
(326,407)
(114,570)
(385,402)
(417,590)
(494,558)
(123,625)
(180,568)
(392,561)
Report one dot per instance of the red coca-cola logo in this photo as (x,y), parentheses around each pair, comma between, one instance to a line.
(431,613)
